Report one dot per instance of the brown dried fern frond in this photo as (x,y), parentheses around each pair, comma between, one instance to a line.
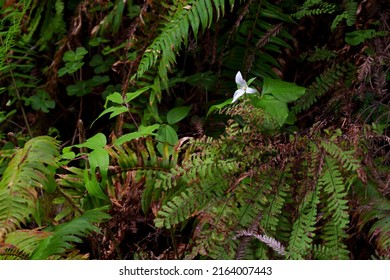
(261,43)
(267,240)
(365,68)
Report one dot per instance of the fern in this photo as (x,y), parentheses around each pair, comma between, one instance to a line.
(30,168)
(346,158)
(181,206)
(349,14)
(304,227)
(14,20)
(373,214)
(63,235)
(324,82)
(195,15)
(269,241)
(12,254)
(314,7)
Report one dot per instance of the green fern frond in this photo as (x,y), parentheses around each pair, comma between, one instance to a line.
(346,158)
(8,253)
(14,20)
(334,237)
(303,230)
(26,240)
(349,14)
(374,214)
(30,168)
(321,54)
(64,235)
(182,203)
(272,213)
(333,185)
(196,14)
(315,7)
(324,82)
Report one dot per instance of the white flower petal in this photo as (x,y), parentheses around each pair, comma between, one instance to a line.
(239,80)
(237,94)
(250,90)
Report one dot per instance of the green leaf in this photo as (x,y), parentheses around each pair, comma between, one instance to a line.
(219,106)
(177,114)
(142,132)
(281,90)
(114,110)
(166,134)
(73,66)
(93,186)
(101,65)
(132,95)
(99,158)
(115,97)
(81,88)
(357,37)
(42,101)
(96,142)
(277,109)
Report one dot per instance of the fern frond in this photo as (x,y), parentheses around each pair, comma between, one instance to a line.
(346,158)
(196,14)
(349,14)
(64,235)
(26,240)
(336,202)
(14,20)
(315,7)
(269,241)
(9,253)
(324,82)
(30,168)
(195,193)
(374,213)
(303,230)
(334,237)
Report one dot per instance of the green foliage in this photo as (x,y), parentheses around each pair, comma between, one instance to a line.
(357,37)
(62,237)
(314,7)
(10,27)
(253,191)
(30,169)
(195,15)
(322,84)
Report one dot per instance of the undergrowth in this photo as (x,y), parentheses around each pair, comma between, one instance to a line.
(156,162)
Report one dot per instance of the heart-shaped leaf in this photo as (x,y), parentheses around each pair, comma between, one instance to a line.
(281,90)
(177,114)
(277,109)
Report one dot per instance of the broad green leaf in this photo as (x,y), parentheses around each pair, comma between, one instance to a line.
(98,141)
(114,110)
(177,114)
(73,66)
(166,134)
(81,88)
(41,101)
(142,132)
(93,186)
(277,109)
(219,106)
(99,158)
(115,97)
(75,55)
(132,95)
(281,90)
(80,52)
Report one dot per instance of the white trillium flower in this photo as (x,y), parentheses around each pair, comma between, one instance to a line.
(242,87)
